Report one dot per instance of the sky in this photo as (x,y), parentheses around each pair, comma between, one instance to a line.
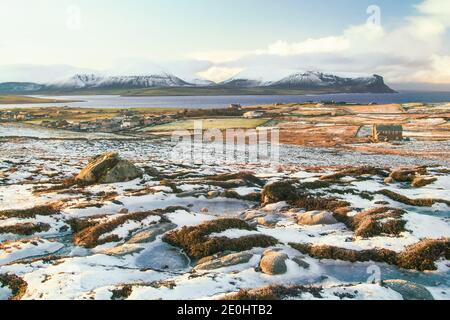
(406,41)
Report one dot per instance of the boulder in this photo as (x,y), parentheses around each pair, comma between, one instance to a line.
(273,263)
(419,182)
(407,174)
(225,261)
(315,218)
(409,290)
(150,234)
(277,192)
(269,220)
(108,168)
(123,250)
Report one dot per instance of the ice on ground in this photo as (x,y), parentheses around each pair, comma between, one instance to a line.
(13,251)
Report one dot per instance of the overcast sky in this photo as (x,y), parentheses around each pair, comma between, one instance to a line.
(408,42)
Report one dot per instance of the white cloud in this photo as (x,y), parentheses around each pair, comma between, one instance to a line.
(413,51)
(320,45)
(218,74)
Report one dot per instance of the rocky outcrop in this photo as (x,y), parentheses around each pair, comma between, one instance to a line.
(108,168)
(420,181)
(409,290)
(312,218)
(218,261)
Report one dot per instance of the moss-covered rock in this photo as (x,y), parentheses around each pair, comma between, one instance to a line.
(108,168)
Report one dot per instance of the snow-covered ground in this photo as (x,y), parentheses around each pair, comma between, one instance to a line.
(156,270)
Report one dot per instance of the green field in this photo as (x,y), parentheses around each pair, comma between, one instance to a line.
(221,124)
(25,100)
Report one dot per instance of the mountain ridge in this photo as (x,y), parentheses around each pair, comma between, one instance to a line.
(299,81)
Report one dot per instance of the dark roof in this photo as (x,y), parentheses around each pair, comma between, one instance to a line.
(384,127)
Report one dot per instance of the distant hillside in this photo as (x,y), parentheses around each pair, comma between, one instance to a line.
(166,84)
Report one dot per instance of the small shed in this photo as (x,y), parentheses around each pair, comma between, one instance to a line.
(387,132)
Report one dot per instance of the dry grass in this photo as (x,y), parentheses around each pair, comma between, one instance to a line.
(45,210)
(197,244)
(336,253)
(122,293)
(248,177)
(354,172)
(420,256)
(279,191)
(17,285)
(276,292)
(412,202)
(312,203)
(374,222)
(25,229)
(88,233)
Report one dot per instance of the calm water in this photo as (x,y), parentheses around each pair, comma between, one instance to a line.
(206,102)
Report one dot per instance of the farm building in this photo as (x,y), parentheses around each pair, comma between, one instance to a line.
(381,132)
(387,132)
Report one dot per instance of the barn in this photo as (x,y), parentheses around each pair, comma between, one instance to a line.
(387,132)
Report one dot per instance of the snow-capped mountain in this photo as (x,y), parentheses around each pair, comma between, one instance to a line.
(312,81)
(92,81)
(319,80)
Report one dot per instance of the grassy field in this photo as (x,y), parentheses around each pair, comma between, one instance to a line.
(85,114)
(26,99)
(221,124)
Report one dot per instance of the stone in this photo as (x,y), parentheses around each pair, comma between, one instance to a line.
(269,220)
(274,263)
(421,181)
(225,261)
(300,262)
(123,250)
(213,194)
(108,168)
(407,174)
(315,218)
(124,210)
(204,210)
(150,234)
(388,180)
(409,290)
(162,256)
